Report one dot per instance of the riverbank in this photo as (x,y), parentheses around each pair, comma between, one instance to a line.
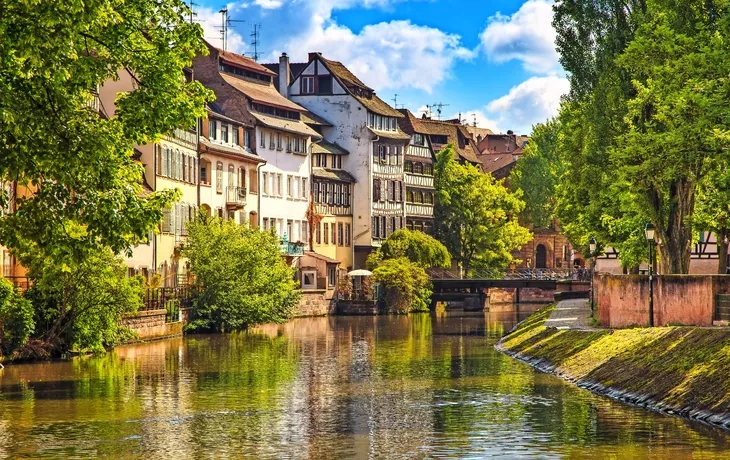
(682,371)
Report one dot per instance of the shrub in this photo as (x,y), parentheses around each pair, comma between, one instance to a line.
(16,319)
(416,246)
(407,285)
(242,276)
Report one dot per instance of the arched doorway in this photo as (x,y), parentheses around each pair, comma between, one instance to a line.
(540,256)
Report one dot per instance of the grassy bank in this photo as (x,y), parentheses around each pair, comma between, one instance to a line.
(677,370)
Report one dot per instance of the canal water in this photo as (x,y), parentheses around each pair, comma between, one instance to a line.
(423,386)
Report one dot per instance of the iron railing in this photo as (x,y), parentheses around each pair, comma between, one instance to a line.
(575,274)
(171,299)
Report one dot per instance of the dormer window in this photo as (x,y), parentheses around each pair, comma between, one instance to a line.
(212,127)
(224,132)
(307,85)
(235,135)
(325,84)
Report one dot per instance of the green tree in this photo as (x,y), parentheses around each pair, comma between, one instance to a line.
(537,174)
(85,185)
(419,248)
(407,285)
(16,319)
(476,216)
(78,307)
(712,212)
(243,278)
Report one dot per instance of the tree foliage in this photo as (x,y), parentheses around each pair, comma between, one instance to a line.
(85,186)
(407,285)
(16,319)
(419,248)
(536,174)
(78,307)
(712,212)
(476,216)
(243,278)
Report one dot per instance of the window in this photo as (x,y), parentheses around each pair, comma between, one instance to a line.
(325,84)
(307,85)
(263,139)
(290,230)
(212,129)
(331,194)
(392,191)
(289,186)
(271,141)
(318,234)
(321,160)
(253,183)
(304,188)
(409,196)
(265,178)
(418,168)
(304,236)
(337,161)
(241,176)
(376,227)
(309,279)
(219,177)
(288,143)
(408,166)
(235,135)
(279,184)
(231,176)
(247,139)
(315,191)
(418,139)
(334,234)
(326,232)
(419,197)
(278,141)
(428,169)
(204,173)
(429,198)
(376,190)
(331,275)
(346,200)
(340,234)
(347,235)
(224,132)
(338,194)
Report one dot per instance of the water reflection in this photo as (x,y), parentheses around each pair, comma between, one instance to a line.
(339,387)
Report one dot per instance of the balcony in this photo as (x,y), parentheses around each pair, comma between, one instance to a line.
(419,151)
(419,210)
(333,210)
(418,181)
(387,170)
(290,249)
(235,197)
(390,208)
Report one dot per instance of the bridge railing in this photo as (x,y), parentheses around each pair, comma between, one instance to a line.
(575,274)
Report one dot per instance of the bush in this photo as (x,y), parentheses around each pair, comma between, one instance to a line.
(16,319)
(416,246)
(79,307)
(243,278)
(407,285)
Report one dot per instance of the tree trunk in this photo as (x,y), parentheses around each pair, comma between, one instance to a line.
(676,237)
(721,237)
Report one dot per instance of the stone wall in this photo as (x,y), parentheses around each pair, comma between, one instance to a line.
(527,295)
(623,300)
(151,325)
(357,307)
(314,303)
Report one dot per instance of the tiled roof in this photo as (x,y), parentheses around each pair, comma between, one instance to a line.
(329,260)
(456,134)
(476,131)
(312,118)
(261,92)
(333,174)
(229,150)
(215,111)
(295,68)
(396,135)
(494,162)
(241,61)
(348,79)
(285,124)
(327,147)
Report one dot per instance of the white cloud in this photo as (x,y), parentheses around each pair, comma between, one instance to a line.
(481,118)
(527,36)
(532,101)
(269,4)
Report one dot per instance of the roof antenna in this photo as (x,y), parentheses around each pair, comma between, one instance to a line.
(395,101)
(225,25)
(475,119)
(192,6)
(255,41)
(438,106)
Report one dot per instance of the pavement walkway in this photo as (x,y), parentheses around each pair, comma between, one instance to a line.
(571,314)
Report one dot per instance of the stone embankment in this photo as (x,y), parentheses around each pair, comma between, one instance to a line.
(682,371)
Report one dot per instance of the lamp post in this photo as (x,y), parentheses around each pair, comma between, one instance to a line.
(592,248)
(649,233)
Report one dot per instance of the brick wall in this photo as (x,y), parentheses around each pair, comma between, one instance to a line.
(623,300)
(527,295)
(314,303)
(357,307)
(151,325)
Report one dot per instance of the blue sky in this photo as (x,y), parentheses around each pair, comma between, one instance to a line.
(493,60)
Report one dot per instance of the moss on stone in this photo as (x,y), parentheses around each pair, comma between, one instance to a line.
(685,367)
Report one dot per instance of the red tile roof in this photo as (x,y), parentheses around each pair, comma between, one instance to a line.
(241,61)
(264,93)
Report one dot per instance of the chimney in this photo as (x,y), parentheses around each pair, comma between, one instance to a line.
(284,75)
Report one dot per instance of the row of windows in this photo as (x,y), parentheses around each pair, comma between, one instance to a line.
(381,123)
(277,141)
(418,168)
(236,177)
(322,160)
(322,84)
(244,73)
(273,185)
(176,165)
(332,193)
(175,219)
(281,113)
(384,226)
(421,226)
(387,154)
(419,197)
(335,234)
(228,133)
(387,190)
(295,230)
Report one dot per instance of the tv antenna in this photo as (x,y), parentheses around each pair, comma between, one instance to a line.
(192,6)
(474,115)
(438,106)
(395,101)
(255,41)
(226,22)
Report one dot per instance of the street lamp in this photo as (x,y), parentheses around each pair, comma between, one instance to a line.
(649,233)
(592,246)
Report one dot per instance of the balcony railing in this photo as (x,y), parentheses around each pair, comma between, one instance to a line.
(388,170)
(235,196)
(388,207)
(292,249)
(419,181)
